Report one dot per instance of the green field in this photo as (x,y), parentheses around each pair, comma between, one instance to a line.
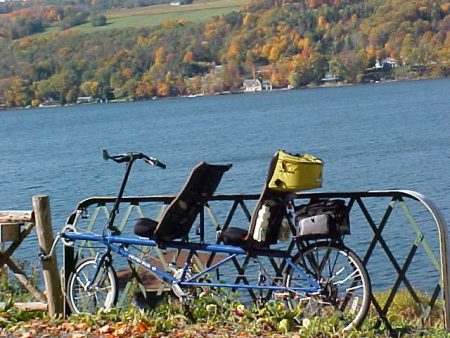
(154,15)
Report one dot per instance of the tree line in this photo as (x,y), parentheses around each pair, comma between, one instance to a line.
(289,42)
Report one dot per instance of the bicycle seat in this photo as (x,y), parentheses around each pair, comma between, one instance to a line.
(145,227)
(272,201)
(234,236)
(257,236)
(177,219)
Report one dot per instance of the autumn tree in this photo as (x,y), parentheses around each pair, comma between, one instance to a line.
(348,65)
(17,93)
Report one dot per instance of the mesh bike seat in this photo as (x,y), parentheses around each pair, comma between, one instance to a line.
(177,219)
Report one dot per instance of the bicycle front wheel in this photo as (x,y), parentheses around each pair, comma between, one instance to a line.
(344,284)
(90,288)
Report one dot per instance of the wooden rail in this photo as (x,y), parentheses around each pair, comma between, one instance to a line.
(16,216)
(39,217)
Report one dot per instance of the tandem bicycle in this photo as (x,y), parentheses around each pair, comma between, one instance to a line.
(322,277)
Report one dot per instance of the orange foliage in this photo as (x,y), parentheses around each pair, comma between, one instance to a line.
(315,3)
(210,30)
(188,57)
(25,42)
(371,51)
(322,22)
(275,52)
(233,50)
(283,28)
(390,50)
(160,56)
(162,88)
(23,12)
(127,73)
(249,20)
(144,88)
(173,23)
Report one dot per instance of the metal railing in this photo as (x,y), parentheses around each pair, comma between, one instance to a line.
(384,213)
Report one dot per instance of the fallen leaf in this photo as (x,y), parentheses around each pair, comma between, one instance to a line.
(106,329)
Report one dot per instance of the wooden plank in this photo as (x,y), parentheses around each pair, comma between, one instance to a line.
(27,307)
(19,216)
(43,219)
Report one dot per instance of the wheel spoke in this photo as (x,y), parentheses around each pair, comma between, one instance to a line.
(88,292)
(345,286)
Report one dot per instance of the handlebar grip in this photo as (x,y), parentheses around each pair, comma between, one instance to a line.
(161,165)
(154,161)
(105,155)
(117,158)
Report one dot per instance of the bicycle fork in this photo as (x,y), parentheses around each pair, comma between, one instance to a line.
(104,259)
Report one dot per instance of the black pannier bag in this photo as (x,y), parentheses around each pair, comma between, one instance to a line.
(322,219)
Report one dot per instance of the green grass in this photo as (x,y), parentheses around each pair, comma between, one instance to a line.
(166,8)
(139,21)
(199,11)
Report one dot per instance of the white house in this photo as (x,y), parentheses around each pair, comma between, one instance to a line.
(330,78)
(252,86)
(256,85)
(85,99)
(266,85)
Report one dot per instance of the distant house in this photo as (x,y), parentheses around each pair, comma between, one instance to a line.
(257,85)
(385,64)
(252,85)
(266,85)
(85,99)
(330,78)
(389,63)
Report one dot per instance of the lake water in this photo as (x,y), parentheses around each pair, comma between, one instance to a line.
(381,136)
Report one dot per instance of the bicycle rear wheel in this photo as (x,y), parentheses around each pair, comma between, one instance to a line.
(89,291)
(344,281)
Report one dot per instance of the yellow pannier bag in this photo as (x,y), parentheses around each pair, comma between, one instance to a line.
(296,172)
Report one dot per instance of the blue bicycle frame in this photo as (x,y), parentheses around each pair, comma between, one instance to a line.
(118,244)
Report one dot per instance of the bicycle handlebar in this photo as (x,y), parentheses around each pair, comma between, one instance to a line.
(129,157)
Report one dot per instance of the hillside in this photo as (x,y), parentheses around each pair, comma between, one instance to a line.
(36,18)
(290,43)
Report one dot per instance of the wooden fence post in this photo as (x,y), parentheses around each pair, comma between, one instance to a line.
(43,220)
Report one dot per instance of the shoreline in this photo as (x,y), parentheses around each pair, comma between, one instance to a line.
(191,96)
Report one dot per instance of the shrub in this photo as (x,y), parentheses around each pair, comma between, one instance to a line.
(98,20)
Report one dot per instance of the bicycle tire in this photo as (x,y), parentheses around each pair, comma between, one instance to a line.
(345,284)
(104,289)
